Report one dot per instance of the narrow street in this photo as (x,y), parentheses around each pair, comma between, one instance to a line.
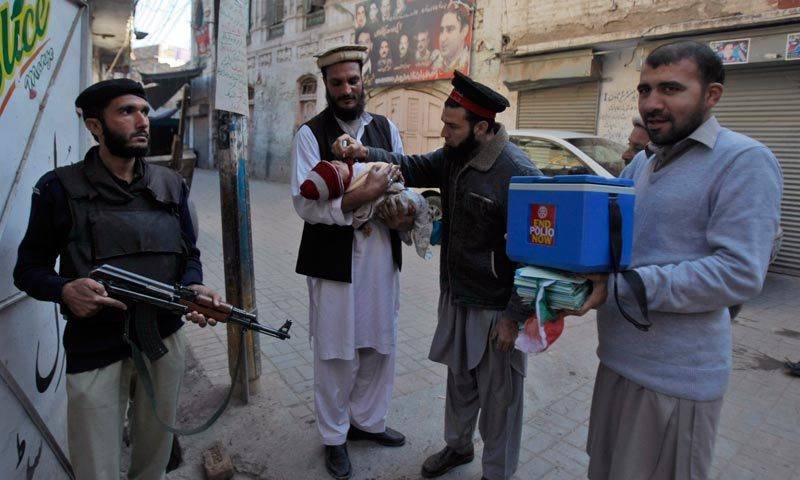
(274,437)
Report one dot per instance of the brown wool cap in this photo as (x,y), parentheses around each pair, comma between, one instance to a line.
(343,53)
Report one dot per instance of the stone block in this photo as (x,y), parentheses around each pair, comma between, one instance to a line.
(217,463)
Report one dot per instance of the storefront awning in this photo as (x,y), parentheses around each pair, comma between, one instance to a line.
(162,86)
(549,70)
(161,114)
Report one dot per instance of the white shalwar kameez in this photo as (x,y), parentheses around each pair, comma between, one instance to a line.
(353,326)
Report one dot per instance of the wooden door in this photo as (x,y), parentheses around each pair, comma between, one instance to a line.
(416,114)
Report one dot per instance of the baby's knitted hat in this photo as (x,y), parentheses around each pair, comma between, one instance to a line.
(324,182)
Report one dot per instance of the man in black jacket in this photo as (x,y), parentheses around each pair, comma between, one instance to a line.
(112,208)
(478,315)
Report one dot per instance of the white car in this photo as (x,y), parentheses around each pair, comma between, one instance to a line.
(558,152)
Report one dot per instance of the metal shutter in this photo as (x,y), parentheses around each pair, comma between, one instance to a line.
(572,107)
(765,104)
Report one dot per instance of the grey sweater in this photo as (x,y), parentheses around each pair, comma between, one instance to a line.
(704,226)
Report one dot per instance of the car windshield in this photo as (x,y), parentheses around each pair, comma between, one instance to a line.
(605,152)
(552,159)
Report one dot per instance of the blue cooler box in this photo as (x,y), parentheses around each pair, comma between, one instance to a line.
(562,222)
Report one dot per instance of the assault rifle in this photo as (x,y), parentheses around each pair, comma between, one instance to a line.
(150,295)
(128,286)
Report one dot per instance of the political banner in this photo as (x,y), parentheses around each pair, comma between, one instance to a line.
(414,40)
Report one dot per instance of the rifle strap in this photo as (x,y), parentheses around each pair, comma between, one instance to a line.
(631,276)
(147,383)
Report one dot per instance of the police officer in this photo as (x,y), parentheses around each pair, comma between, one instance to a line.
(112,208)
(479,318)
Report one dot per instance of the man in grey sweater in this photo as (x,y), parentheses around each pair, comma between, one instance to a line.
(707,212)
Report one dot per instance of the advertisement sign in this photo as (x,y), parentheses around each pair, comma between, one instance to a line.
(26,55)
(414,40)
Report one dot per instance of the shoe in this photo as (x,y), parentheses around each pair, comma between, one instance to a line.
(175,456)
(388,438)
(793,368)
(337,461)
(445,460)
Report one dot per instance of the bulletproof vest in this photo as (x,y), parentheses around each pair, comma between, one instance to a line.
(137,230)
(326,251)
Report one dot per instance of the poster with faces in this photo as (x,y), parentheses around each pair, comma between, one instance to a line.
(414,40)
(793,46)
(732,52)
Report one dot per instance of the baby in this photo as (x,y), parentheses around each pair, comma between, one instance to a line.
(327,180)
(332,179)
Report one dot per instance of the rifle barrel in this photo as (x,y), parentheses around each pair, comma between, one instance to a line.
(281,333)
(143,289)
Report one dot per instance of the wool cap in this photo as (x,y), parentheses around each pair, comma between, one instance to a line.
(342,53)
(96,97)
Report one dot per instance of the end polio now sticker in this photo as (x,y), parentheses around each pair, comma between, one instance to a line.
(543,225)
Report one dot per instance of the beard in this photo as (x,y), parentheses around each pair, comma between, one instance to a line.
(464,150)
(118,144)
(347,114)
(676,132)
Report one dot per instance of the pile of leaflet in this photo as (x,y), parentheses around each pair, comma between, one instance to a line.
(550,291)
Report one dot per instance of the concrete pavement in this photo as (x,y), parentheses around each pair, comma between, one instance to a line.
(274,437)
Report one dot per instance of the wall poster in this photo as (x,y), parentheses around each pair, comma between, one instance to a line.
(732,52)
(414,40)
(793,46)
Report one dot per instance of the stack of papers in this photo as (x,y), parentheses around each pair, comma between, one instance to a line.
(550,290)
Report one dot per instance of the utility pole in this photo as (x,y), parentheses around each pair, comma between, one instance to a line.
(230,150)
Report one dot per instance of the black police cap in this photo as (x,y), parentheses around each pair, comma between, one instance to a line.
(96,97)
(486,99)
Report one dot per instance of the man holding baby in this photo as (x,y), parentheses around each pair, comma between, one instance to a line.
(352,273)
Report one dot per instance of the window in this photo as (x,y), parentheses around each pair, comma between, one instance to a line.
(307,88)
(550,158)
(274,18)
(605,152)
(315,12)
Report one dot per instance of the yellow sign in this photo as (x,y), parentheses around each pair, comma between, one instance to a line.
(23,27)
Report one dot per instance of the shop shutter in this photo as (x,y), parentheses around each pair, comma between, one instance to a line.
(571,107)
(764,103)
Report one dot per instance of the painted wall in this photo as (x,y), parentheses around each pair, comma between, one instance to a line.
(274,67)
(617,104)
(536,25)
(491,20)
(613,26)
(50,71)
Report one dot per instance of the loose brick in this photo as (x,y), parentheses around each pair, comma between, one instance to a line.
(217,463)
